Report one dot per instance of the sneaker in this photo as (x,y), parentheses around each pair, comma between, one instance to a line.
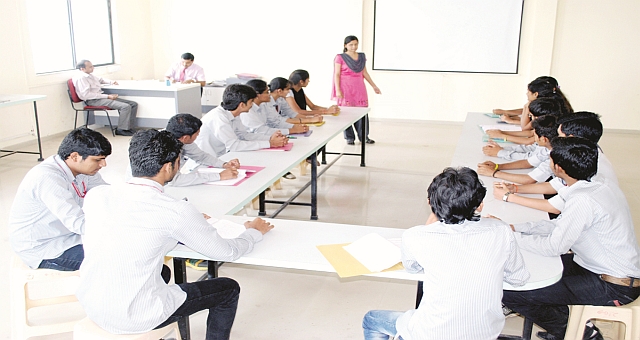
(370,141)
(508,312)
(591,332)
(351,142)
(120,132)
(197,264)
(289,175)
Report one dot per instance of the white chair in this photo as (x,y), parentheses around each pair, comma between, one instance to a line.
(86,329)
(628,314)
(21,277)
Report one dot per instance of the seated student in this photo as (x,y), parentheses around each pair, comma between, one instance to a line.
(257,119)
(604,266)
(537,108)
(299,101)
(136,223)
(545,129)
(463,302)
(544,86)
(46,219)
(186,128)
(185,71)
(581,124)
(280,88)
(222,131)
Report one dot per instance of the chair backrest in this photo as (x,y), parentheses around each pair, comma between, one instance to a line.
(73,95)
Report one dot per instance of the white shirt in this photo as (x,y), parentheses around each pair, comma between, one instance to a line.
(273,109)
(46,217)
(596,224)
(89,86)
(256,121)
(283,107)
(517,152)
(193,72)
(129,229)
(221,132)
(464,266)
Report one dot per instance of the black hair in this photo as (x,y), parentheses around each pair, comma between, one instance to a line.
(258,85)
(235,94)
(349,39)
(85,142)
(149,150)
(187,56)
(582,124)
(548,87)
(546,126)
(545,106)
(82,64)
(577,156)
(278,83)
(183,124)
(455,194)
(297,76)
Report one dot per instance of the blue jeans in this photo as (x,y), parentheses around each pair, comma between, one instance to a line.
(548,306)
(349,135)
(219,296)
(70,260)
(380,324)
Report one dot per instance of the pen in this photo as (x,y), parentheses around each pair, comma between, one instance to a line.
(292,137)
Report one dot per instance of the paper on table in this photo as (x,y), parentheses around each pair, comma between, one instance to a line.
(287,147)
(346,265)
(375,252)
(501,127)
(227,229)
(317,124)
(230,182)
(305,134)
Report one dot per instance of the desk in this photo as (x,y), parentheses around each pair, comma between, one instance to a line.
(227,200)
(157,102)
(15,99)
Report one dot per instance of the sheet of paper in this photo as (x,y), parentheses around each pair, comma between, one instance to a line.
(229,182)
(501,127)
(374,252)
(287,147)
(227,229)
(344,264)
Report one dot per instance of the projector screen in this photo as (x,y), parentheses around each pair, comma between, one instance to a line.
(476,36)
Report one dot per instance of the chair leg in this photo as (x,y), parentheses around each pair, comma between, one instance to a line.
(110,126)
(86,120)
(75,122)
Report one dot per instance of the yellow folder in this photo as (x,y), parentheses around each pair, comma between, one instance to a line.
(345,264)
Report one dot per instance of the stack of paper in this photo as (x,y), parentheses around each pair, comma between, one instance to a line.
(370,254)
(229,182)
(227,229)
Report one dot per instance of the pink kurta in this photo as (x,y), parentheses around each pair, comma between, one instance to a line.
(352,85)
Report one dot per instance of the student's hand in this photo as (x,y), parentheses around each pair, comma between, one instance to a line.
(259,225)
(486,168)
(333,109)
(499,189)
(377,90)
(495,134)
(493,217)
(278,140)
(498,111)
(112,96)
(491,149)
(316,119)
(230,173)
(206,217)
(115,83)
(301,128)
(234,163)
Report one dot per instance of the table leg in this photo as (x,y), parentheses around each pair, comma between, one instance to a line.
(419,293)
(263,209)
(212,269)
(324,154)
(363,131)
(180,276)
(35,111)
(314,186)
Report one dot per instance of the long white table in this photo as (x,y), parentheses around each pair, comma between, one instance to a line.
(16,99)
(227,200)
(157,102)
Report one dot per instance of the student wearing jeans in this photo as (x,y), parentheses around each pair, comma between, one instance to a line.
(465,260)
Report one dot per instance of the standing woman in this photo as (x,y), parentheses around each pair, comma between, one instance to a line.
(350,71)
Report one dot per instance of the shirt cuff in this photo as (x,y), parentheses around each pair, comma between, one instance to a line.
(255,235)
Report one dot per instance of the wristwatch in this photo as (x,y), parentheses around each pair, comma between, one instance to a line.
(506,196)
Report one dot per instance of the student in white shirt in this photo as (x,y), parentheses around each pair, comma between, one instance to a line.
(579,124)
(88,87)
(465,260)
(186,128)
(130,227)
(185,71)
(46,219)
(259,120)
(596,224)
(222,130)
(545,129)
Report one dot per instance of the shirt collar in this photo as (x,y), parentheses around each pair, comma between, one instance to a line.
(64,167)
(146,182)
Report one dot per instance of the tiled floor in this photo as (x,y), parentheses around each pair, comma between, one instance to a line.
(389,192)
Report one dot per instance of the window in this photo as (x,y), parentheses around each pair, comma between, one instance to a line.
(63,32)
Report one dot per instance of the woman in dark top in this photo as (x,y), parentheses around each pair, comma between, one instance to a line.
(299,102)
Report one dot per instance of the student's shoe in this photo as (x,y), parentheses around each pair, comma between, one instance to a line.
(351,142)
(508,312)
(197,264)
(545,336)
(121,132)
(370,141)
(591,332)
(289,175)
